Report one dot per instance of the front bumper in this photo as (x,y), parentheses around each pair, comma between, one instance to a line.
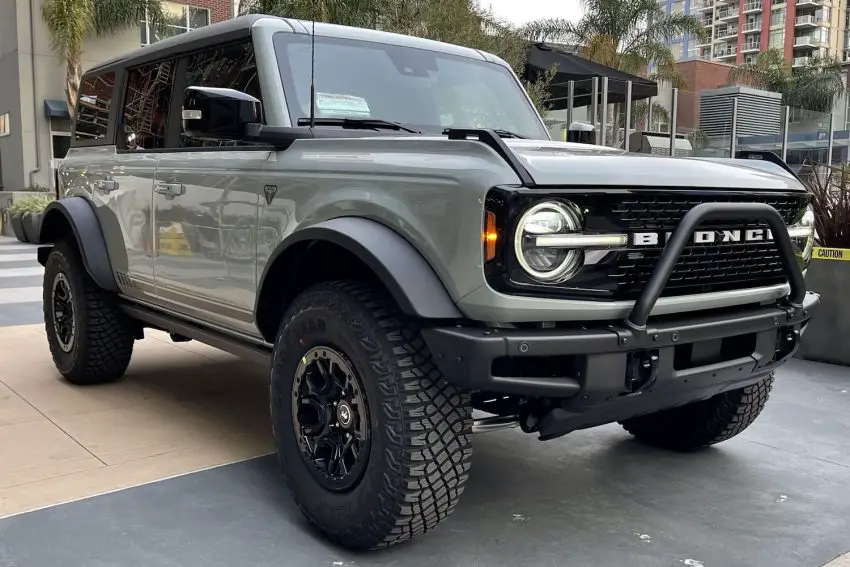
(603,373)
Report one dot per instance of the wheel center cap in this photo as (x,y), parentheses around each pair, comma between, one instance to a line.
(344,414)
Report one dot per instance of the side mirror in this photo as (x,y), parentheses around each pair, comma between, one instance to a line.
(581,133)
(215,114)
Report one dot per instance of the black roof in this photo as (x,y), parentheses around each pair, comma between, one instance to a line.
(571,67)
(198,38)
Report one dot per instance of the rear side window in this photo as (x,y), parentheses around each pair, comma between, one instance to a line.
(230,67)
(146,106)
(95,95)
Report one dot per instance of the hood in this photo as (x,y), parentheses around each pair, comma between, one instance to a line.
(565,163)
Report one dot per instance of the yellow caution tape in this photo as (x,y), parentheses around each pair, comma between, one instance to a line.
(841,254)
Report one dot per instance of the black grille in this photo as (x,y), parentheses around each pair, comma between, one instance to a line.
(664,212)
(702,267)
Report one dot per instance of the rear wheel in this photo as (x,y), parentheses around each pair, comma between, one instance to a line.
(90,339)
(703,423)
(374,444)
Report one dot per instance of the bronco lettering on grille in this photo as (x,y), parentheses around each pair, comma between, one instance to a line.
(706,236)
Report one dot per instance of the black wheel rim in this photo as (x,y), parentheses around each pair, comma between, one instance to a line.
(63,312)
(331,418)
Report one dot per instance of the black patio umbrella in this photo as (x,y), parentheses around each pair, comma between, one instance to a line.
(543,56)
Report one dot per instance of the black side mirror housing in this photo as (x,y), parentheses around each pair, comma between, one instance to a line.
(581,133)
(214,114)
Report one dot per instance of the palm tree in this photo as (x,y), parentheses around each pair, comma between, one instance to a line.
(629,35)
(814,87)
(71,22)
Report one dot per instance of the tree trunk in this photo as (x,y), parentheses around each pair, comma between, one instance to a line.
(72,84)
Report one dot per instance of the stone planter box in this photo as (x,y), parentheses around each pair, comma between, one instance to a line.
(827,337)
(32,225)
(17,225)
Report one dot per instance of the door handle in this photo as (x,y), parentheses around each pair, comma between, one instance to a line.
(170,189)
(106,185)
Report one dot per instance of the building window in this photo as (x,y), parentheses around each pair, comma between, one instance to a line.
(777,39)
(146,106)
(777,2)
(777,18)
(92,122)
(179,18)
(5,127)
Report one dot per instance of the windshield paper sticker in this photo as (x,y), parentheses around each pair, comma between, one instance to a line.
(338,105)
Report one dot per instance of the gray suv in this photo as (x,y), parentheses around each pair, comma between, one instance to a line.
(385,222)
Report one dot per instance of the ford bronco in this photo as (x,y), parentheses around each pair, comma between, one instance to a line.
(386,223)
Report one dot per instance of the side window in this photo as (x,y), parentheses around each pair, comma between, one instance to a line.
(145,112)
(227,67)
(95,95)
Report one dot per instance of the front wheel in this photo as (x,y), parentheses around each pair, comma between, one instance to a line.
(373,443)
(703,423)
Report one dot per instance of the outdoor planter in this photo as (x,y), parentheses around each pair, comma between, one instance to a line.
(16,221)
(32,225)
(826,337)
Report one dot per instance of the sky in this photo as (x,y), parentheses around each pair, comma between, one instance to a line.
(523,11)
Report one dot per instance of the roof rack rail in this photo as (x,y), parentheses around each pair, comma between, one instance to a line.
(490,138)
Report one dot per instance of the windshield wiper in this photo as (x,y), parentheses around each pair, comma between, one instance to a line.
(509,134)
(359,123)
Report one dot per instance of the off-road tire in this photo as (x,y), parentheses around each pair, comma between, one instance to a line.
(420,426)
(103,335)
(701,424)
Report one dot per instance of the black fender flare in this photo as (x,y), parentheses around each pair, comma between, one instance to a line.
(401,268)
(79,214)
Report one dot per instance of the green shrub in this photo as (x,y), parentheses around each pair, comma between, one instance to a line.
(33,204)
(36,189)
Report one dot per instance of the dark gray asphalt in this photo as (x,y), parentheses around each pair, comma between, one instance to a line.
(777,496)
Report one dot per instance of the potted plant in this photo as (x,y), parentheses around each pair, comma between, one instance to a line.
(826,335)
(30,210)
(14,213)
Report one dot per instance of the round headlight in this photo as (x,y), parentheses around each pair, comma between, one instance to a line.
(803,237)
(547,264)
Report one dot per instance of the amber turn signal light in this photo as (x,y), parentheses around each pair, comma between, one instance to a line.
(490,236)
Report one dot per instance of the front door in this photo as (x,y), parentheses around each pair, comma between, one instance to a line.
(206,205)
(205,221)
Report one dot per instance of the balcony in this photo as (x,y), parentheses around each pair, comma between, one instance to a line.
(800,61)
(730,52)
(750,47)
(727,15)
(810,3)
(727,32)
(750,7)
(750,27)
(807,41)
(808,22)
(707,22)
(703,5)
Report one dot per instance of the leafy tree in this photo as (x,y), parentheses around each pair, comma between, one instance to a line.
(71,22)
(814,87)
(629,35)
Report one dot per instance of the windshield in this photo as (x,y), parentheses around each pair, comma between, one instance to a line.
(422,89)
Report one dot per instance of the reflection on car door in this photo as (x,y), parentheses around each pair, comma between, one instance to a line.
(206,206)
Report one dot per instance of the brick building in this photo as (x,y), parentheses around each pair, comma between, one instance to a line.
(34,124)
(700,76)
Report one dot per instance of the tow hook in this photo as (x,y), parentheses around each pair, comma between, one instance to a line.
(786,342)
(641,370)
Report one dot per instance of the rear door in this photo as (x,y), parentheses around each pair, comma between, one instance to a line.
(119,185)
(206,204)
(142,130)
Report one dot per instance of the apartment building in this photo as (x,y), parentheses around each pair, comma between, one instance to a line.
(738,30)
(34,120)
